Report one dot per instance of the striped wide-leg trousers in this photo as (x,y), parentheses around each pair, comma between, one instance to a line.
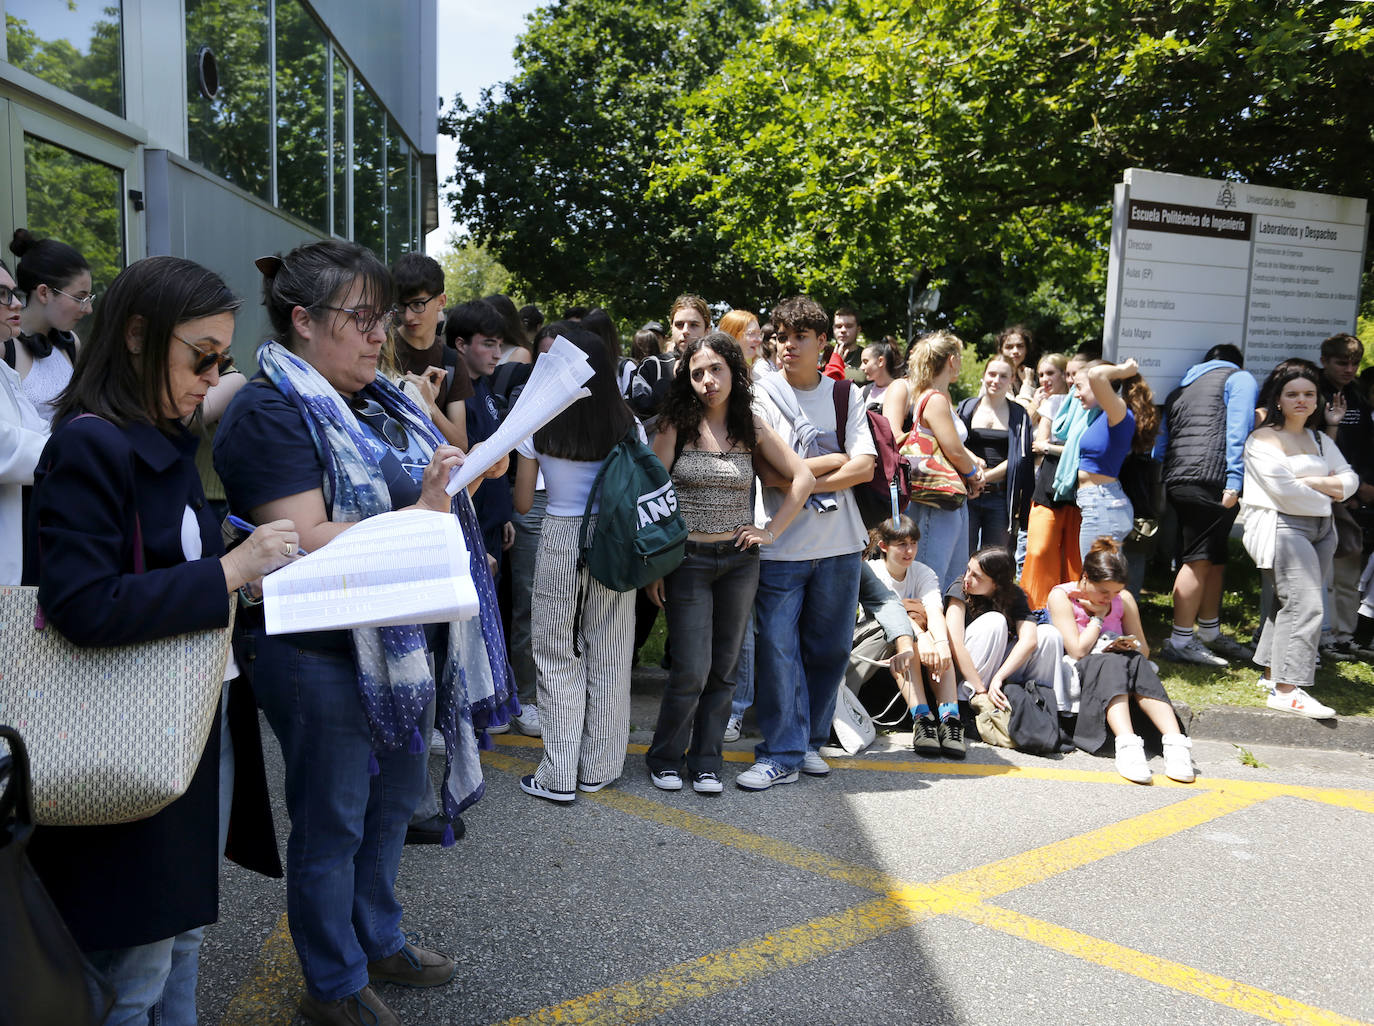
(584,701)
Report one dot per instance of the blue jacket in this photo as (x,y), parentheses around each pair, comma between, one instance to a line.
(1239,397)
(135,883)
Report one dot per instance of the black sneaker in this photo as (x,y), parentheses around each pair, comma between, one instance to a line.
(925,738)
(431,831)
(951,734)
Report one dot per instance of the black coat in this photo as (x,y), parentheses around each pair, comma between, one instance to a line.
(134,883)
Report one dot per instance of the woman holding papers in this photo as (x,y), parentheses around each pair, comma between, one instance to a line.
(584,700)
(707,437)
(124,549)
(318,438)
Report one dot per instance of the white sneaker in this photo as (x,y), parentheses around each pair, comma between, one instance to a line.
(499,728)
(1300,702)
(1130,759)
(666,780)
(1193,652)
(527,722)
(763,775)
(814,766)
(733,729)
(1178,758)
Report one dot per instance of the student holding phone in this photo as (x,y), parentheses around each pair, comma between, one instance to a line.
(1100,624)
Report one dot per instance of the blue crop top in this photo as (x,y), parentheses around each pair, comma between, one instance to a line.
(1103,448)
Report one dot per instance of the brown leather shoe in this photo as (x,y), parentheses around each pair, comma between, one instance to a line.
(364,1008)
(413,966)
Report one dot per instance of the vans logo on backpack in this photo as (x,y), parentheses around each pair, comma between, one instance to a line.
(657,505)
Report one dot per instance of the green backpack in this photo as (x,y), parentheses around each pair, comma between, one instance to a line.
(640,534)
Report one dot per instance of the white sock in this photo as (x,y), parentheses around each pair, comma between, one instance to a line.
(1209,630)
(1181,636)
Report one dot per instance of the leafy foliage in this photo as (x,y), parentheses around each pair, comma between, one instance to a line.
(552,168)
(470,271)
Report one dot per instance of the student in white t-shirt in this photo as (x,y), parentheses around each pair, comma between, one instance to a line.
(809,578)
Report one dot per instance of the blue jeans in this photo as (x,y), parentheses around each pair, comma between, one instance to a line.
(744,672)
(1106,511)
(155,984)
(806,613)
(347,827)
(709,598)
(988,523)
(944,540)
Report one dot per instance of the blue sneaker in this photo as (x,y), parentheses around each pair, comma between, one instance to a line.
(763,775)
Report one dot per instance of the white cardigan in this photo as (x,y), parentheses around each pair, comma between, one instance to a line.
(23,433)
(1272,487)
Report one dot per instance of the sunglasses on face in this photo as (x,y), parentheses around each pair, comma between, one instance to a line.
(207,359)
(375,416)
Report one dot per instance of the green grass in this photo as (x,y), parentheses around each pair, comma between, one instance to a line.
(1346,687)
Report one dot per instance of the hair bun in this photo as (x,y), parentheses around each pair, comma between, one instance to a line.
(22,242)
(1105,543)
(268,265)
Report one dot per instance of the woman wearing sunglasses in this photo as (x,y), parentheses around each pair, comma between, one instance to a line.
(320,439)
(57,281)
(124,549)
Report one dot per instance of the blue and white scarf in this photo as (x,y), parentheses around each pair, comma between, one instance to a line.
(394,680)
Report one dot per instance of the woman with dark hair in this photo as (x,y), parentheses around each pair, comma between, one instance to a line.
(57,280)
(584,697)
(707,436)
(1099,622)
(1016,345)
(1000,437)
(320,439)
(887,391)
(1293,471)
(992,631)
(116,493)
(514,345)
(23,433)
(1129,421)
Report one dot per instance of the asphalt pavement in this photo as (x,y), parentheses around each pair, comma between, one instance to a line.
(1004,889)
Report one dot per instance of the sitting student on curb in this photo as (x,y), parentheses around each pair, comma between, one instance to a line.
(993,633)
(808,579)
(939,731)
(1100,624)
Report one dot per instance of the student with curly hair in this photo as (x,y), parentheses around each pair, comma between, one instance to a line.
(707,435)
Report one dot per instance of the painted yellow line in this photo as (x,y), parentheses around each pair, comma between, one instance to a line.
(1174,975)
(1259,790)
(1040,864)
(274,987)
(721,971)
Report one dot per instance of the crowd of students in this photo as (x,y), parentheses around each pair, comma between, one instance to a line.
(370,391)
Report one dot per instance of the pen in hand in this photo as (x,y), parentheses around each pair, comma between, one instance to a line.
(244,525)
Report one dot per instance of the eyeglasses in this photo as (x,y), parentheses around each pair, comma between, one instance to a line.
(223,361)
(8,297)
(375,416)
(87,300)
(417,306)
(366,319)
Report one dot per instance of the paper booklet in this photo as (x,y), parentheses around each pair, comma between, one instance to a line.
(408,566)
(555,384)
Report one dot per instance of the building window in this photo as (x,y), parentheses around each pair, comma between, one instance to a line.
(231,132)
(76,45)
(302,68)
(398,207)
(338,91)
(77,200)
(369,170)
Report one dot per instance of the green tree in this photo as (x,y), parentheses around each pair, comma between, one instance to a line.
(552,167)
(852,144)
(470,271)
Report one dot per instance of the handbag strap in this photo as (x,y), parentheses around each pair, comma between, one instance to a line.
(17,798)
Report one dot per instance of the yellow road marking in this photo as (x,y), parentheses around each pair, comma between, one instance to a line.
(1258,790)
(273,988)
(721,971)
(1176,976)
